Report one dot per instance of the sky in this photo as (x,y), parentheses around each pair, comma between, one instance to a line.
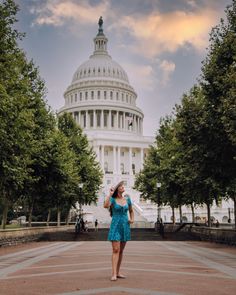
(159,43)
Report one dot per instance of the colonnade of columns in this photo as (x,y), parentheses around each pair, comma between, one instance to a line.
(110,119)
(113,158)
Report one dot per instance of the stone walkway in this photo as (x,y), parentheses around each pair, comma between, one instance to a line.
(155,267)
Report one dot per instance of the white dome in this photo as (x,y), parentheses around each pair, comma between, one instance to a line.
(100,96)
(102,67)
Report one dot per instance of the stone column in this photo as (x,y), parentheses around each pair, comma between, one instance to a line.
(102,118)
(116,119)
(87,119)
(97,150)
(118,161)
(114,160)
(123,120)
(134,123)
(141,158)
(138,131)
(102,157)
(81,119)
(78,119)
(109,120)
(130,161)
(94,119)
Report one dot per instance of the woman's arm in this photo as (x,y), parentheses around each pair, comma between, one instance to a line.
(107,202)
(131,213)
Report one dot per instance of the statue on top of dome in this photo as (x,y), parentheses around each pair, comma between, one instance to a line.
(100,23)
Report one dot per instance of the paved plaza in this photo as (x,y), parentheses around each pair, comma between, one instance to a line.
(152,267)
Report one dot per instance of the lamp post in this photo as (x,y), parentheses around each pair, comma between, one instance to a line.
(158,201)
(229,220)
(80,196)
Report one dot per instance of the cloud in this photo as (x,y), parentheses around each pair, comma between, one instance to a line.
(167,68)
(192,3)
(140,75)
(152,33)
(167,32)
(58,12)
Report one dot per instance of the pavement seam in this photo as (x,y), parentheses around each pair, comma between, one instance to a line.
(210,251)
(57,249)
(118,289)
(186,251)
(125,262)
(25,251)
(108,268)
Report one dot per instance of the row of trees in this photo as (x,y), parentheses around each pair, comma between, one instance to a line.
(42,157)
(194,156)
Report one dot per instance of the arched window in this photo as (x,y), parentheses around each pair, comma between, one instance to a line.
(133,168)
(122,168)
(106,167)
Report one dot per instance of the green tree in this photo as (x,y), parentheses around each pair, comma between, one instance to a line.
(24,116)
(200,156)
(88,168)
(61,173)
(219,87)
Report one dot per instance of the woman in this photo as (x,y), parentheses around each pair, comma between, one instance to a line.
(119,232)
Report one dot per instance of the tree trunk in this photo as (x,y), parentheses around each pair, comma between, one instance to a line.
(4,214)
(68,218)
(58,216)
(180,214)
(30,215)
(49,216)
(208,214)
(234,212)
(193,214)
(173,214)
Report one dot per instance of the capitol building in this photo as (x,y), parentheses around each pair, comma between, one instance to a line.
(102,101)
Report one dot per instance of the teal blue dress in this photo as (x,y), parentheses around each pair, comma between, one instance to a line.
(120,227)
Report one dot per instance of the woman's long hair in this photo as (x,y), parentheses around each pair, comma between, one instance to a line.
(113,196)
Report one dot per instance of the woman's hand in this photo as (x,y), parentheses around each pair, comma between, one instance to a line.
(108,198)
(131,221)
(111,191)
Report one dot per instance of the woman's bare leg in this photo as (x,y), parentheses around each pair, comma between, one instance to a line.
(115,258)
(122,247)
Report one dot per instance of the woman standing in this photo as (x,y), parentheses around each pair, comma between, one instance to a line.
(119,233)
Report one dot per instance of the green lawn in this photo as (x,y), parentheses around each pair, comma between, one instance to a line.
(9,226)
